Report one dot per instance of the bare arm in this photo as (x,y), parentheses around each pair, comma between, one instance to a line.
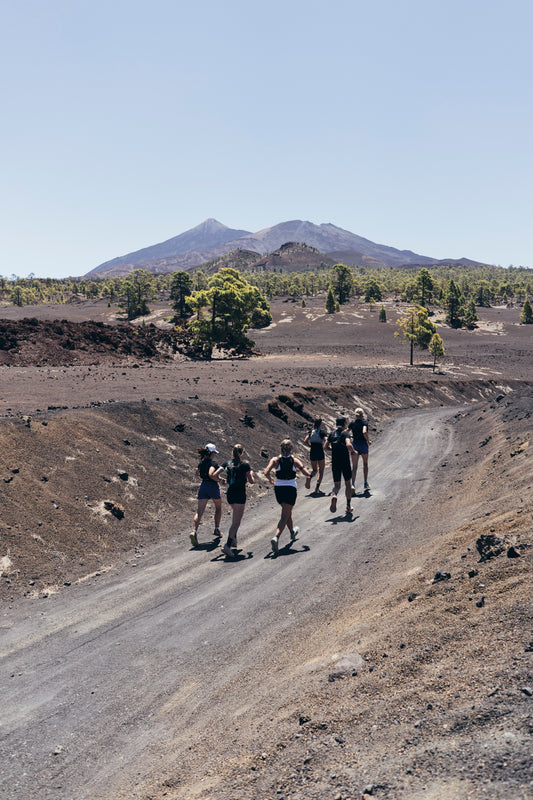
(298,464)
(272,463)
(215,474)
(250,476)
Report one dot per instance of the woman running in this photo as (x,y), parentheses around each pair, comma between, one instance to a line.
(285,466)
(239,473)
(209,471)
(340,444)
(315,440)
(360,443)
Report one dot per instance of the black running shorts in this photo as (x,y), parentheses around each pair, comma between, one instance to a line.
(236,495)
(343,468)
(285,494)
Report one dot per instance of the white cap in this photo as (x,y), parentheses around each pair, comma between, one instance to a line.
(211,447)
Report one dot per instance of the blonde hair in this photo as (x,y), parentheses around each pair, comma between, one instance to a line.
(286,447)
(359,412)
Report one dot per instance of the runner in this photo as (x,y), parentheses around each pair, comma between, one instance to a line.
(360,442)
(209,471)
(285,466)
(315,439)
(341,447)
(239,473)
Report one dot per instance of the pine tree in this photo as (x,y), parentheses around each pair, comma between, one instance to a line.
(180,288)
(342,282)
(526,317)
(330,301)
(436,348)
(138,289)
(454,306)
(417,329)
(471,316)
(225,311)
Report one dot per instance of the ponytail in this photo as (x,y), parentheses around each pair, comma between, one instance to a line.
(238,450)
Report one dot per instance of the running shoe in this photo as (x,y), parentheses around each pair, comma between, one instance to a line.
(333,504)
(294,533)
(274,543)
(367,485)
(317,488)
(217,533)
(348,509)
(194,539)
(308,483)
(228,551)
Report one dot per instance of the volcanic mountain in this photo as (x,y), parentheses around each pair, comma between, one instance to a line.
(211,239)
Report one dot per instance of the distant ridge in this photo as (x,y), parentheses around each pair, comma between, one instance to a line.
(211,239)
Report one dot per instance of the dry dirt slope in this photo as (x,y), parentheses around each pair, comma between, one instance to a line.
(441,705)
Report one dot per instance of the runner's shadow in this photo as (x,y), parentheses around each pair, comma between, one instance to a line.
(366,493)
(288,550)
(239,556)
(343,518)
(207,546)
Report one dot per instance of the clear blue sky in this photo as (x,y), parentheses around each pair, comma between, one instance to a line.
(127,122)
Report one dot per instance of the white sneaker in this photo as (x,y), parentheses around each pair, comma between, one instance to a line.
(294,533)
(274,544)
(228,551)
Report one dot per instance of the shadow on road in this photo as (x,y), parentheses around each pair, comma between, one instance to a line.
(288,550)
(207,546)
(343,518)
(239,555)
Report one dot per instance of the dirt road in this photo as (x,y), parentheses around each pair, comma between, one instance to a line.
(107,683)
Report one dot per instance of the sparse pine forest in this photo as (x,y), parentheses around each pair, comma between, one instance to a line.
(217,303)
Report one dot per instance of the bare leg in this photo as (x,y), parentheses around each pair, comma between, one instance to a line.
(218,512)
(285,519)
(333,504)
(355,462)
(198,516)
(365,466)
(321,465)
(348,493)
(238,511)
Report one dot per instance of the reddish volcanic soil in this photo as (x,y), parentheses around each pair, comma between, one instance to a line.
(99,435)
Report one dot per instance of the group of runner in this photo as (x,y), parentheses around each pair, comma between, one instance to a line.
(346,443)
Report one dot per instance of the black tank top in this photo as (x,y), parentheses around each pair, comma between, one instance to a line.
(286,471)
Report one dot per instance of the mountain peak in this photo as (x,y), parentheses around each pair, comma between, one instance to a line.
(211,239)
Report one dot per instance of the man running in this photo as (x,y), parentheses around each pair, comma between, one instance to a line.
(340,444)
(360,442)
